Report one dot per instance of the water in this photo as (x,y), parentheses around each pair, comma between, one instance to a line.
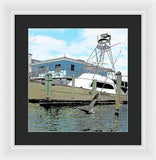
(72,119)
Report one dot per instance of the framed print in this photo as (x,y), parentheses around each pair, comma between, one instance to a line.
(78,79)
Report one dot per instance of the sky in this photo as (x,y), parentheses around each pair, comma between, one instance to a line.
(78,43)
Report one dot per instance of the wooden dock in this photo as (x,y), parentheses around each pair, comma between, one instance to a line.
(62,95)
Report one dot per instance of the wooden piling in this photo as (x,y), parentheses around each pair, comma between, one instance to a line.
(118,88)
(94,88)
(73,86)
(48,85)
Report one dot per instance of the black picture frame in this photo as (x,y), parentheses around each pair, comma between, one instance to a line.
(22,23)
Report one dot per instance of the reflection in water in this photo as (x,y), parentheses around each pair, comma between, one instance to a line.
(72,119)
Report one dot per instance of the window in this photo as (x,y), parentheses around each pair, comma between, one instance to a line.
(102,85)
(126,84)
(72,67)
(124,89)
(57,67)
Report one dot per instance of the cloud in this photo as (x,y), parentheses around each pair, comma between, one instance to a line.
(45,47)
(42,47)
(88,40)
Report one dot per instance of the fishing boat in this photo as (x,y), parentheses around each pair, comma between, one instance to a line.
(103,84)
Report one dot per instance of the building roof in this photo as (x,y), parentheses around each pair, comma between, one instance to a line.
(60,59)
(36,60)
(91,67)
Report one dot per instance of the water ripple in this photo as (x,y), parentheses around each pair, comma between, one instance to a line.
(72,119)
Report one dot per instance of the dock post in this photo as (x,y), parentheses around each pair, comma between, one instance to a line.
(94,88)
(73,86)
(48,85)
(118,88)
